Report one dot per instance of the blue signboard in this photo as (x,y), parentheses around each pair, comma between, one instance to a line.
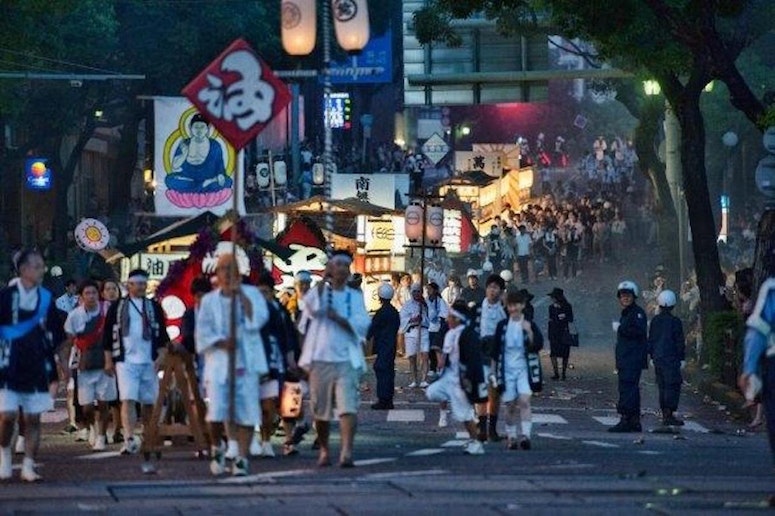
(373,65)
(339,111)
(37,175)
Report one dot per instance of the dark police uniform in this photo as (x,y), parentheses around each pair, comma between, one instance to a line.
(666,348)
(631,355)
(384,329)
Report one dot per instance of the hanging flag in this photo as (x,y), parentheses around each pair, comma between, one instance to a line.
(195,168)
(238,93)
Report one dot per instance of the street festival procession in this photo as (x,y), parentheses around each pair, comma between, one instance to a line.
(356,257)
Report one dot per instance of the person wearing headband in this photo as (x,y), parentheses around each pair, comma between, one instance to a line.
(334,356)
(415,325)
(460,360)
(28,372)
(218,346)
(134,341)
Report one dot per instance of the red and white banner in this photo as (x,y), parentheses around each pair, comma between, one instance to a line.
(238,93)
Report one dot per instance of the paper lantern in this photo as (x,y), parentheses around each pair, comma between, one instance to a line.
(299,26)
(351,23)
(413,223)
(434,225)
(262,175)
(318,174)
(280,173)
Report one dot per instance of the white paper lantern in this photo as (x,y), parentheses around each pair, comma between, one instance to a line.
(280,173)
(318,174)
(262,175)
(413,223)
(351,23)
(434,225)
(299,26)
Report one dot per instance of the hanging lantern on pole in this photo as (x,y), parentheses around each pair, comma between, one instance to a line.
(434,225)
(280,173)
(413,223)
(318,174)
(299,26)
(262,175)
(351,23)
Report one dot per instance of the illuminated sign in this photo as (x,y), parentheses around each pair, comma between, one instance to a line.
(37,175)
(338,111)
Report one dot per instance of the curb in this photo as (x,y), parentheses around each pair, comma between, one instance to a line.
(716,390)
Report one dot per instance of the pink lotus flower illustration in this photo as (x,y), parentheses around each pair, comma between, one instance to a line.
(197,199)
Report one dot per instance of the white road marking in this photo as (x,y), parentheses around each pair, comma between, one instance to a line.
(693,426)
(606,420)
(461,435)
(371,462)
(549,418)
(404,474)
(457,443)
(406,416)
(100,455)
(425,451)
(554,436)
(267,477)
(601,444)
(650,452)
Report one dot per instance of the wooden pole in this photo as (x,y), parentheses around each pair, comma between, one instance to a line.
(235,278)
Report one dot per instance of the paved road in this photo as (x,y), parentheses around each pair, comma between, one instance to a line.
(406,463)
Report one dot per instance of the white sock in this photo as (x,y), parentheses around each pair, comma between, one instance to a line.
(28,464)
(511,431)
(527,427)
(6,457)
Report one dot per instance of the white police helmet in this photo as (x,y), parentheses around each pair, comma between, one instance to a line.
(56,271)
(487,266)
(627,286)
(385,291)
(666,298)
(507,275)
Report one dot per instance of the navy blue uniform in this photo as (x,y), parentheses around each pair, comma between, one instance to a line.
(384,330)
(666,348)
(631,356)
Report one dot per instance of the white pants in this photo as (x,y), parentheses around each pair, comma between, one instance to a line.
(447,388)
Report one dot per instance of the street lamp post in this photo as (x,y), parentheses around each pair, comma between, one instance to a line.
(299,26)
(673,171)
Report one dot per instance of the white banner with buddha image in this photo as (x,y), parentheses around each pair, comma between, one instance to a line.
(195,168)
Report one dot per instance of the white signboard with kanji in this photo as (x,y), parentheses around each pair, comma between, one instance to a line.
(386,190)
(491,163)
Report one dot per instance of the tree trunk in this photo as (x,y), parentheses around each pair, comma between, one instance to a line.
(695,183)
(60,226)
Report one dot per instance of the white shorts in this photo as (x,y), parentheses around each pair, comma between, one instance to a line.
(94,386)
(447,388)
(270,389)
(414,344)
(31,402)
(247,411)
(517,383)
(137,382)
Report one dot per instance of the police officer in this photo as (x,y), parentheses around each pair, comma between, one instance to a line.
(666,348)
(384,331)
(630,357)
